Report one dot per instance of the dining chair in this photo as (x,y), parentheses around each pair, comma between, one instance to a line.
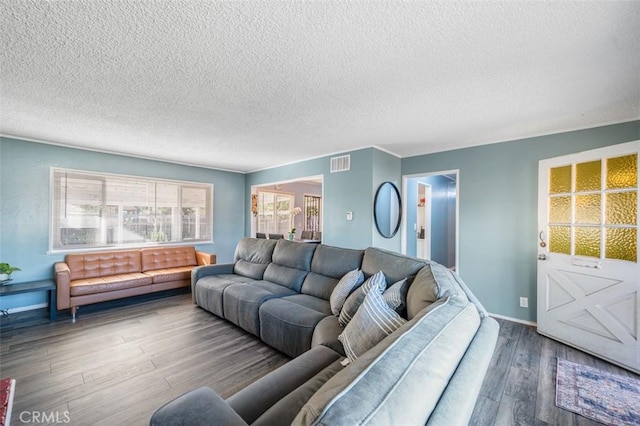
(275,236)
(306,235)
(317,235)
(261,235)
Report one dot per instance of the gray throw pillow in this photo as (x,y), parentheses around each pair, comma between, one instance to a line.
(356,298)
(349,282)
(374,321)
(396,296)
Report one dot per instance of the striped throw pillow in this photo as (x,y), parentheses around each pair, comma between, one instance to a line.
(396,296)
(374,321)
(349,282)
(356,298)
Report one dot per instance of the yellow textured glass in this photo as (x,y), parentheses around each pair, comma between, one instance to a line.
(622,172)
(560,210)
(589,176)
(560,180)
(560,239)
(622,208)
(587,241)
(588,210)
(622,244)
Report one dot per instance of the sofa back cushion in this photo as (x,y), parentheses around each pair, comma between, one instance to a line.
(394,265)
(433,282)
(290,264)
(328,265)
(101,264)
(154,258)
(401,379)
(252,257)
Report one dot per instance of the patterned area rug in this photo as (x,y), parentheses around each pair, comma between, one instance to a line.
(592,393)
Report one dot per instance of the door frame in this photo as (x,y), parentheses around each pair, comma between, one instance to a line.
(404,231)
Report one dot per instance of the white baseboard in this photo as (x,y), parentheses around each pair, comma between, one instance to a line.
(27,308)
(514,319)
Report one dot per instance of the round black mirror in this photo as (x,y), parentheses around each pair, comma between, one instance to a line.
(386,209)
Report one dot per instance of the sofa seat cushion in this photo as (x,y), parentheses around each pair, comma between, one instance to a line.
(252,401)
(241,302)
(170,274)
(287,324)
(209,291)
(86,286)
(310,302)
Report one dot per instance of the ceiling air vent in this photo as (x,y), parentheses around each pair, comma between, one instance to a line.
(340,164)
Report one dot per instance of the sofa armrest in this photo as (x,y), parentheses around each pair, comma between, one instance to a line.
(205,258)
(203,271)
(63,283)
(198,407)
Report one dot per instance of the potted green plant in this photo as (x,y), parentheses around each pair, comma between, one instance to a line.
(6,270)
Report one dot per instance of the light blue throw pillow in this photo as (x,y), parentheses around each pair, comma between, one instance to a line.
(349,282)
(396,296)
(356,298)
(373,321)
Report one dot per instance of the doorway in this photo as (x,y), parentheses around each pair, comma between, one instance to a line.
(281,207)
(430,211)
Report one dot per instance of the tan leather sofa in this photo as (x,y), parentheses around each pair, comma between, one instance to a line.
(88,278)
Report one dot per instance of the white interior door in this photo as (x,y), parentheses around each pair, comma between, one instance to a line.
(588,272)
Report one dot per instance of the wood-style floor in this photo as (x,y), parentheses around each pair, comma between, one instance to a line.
(122,360)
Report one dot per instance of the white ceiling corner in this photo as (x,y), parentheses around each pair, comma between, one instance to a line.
(250,85)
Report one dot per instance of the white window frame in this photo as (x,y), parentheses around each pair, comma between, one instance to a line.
(275,229)
(109,231)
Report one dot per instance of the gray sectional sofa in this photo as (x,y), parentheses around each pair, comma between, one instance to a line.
(428,371)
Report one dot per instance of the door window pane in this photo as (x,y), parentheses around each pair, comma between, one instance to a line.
(588,241)
(560,180)
(560,210)
(622,244)
(622,208)
(622,172)
(560,239)
(588,208)
(589,176)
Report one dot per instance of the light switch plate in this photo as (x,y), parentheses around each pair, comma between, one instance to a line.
(349,215)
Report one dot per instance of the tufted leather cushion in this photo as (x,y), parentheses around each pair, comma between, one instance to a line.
(167,257)
(93,265)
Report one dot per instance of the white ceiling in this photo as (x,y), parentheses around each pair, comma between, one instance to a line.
(246,85)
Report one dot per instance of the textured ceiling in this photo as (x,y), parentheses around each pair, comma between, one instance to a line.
(246,85)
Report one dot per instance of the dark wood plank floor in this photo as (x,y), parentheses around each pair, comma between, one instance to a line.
(122,360)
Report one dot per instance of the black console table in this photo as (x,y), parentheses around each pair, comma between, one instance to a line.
(32,286)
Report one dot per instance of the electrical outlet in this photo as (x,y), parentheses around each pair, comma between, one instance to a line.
(524,302)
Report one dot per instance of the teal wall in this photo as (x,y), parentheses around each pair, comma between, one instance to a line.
(25,206)
(386,168)
(351,190)
(498,204)
(498,209)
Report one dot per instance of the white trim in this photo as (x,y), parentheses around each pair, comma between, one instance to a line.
(427,152)
(513,319)
(104,151)
(27,308)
